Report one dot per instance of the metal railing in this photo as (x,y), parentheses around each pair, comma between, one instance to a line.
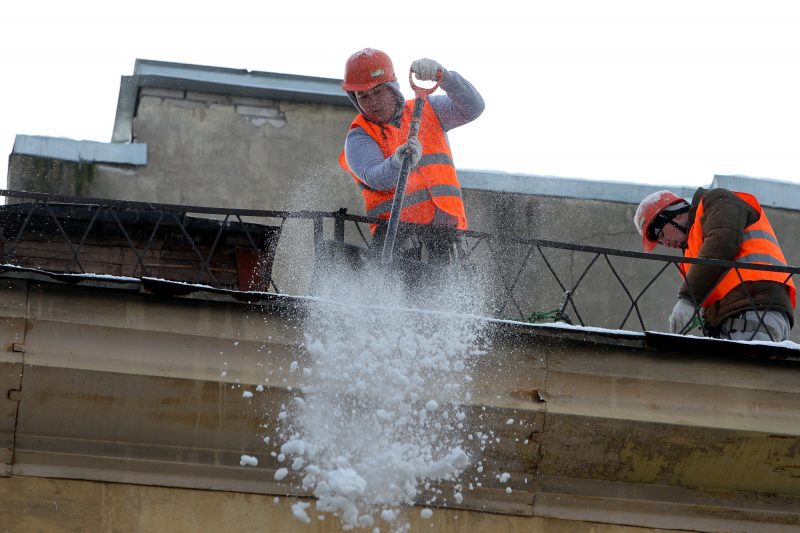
(622,279)
(531,280)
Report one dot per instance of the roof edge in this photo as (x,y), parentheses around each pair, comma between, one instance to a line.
(220,80)
(770,192)
(80,151)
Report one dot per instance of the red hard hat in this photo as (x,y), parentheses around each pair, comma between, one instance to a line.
(366,69)
(648,209)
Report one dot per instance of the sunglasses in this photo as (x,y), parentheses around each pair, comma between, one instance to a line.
(656,229)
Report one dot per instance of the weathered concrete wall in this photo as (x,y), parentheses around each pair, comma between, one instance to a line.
(54,176)
(227,151)
(30,504)
(112,385)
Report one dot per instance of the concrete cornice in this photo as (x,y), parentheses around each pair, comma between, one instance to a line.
(128,387)
(611,191)
(771,193)
(80,151)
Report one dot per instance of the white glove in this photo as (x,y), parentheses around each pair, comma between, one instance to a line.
(414,147)
(682,314)
(426,69)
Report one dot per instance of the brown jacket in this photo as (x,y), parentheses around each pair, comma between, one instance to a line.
(724,220)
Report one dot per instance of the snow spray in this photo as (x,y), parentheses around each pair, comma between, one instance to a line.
(381,416)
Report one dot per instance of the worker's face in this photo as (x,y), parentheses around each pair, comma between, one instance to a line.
(378,103)
(672,236)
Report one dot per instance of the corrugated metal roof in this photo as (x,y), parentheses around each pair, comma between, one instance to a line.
(80,151)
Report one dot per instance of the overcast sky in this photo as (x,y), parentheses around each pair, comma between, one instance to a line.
(667,92)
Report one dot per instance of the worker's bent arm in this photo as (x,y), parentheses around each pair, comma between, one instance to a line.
(365,159)
(724,221)
(462,104)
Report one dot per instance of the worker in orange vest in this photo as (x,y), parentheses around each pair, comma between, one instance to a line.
(376,144)
(738,304)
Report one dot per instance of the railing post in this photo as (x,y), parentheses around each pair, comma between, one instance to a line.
(338,227)
(317,232)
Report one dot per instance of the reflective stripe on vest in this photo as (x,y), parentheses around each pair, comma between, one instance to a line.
(760,234)
(761,258)
(759,246)
(435,159)
(428,159)
(422,195)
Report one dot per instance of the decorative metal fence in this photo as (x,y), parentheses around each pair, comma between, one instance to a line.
(530,280)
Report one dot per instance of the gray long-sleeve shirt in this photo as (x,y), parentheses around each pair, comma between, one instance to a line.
(460,104)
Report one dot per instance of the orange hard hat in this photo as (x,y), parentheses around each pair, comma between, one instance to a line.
(648,210)
(366,69)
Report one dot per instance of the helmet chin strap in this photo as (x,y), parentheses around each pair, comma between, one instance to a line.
(397,114)
(683,229)
(398,111)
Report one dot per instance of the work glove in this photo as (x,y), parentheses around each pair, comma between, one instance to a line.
(412,145)
(426,69)
(683,317)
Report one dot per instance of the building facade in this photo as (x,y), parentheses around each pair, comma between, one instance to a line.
(124,386)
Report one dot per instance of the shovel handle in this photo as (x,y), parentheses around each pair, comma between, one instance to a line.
(397,203)
(400,188)
(424,91)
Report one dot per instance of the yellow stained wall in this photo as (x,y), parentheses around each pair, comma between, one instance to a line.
(41,505)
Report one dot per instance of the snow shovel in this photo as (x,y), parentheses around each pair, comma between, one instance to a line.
(421,94)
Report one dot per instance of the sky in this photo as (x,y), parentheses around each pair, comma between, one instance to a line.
(658,92)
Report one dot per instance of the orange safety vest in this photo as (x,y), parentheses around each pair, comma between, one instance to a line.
(432,184)
(759,246)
